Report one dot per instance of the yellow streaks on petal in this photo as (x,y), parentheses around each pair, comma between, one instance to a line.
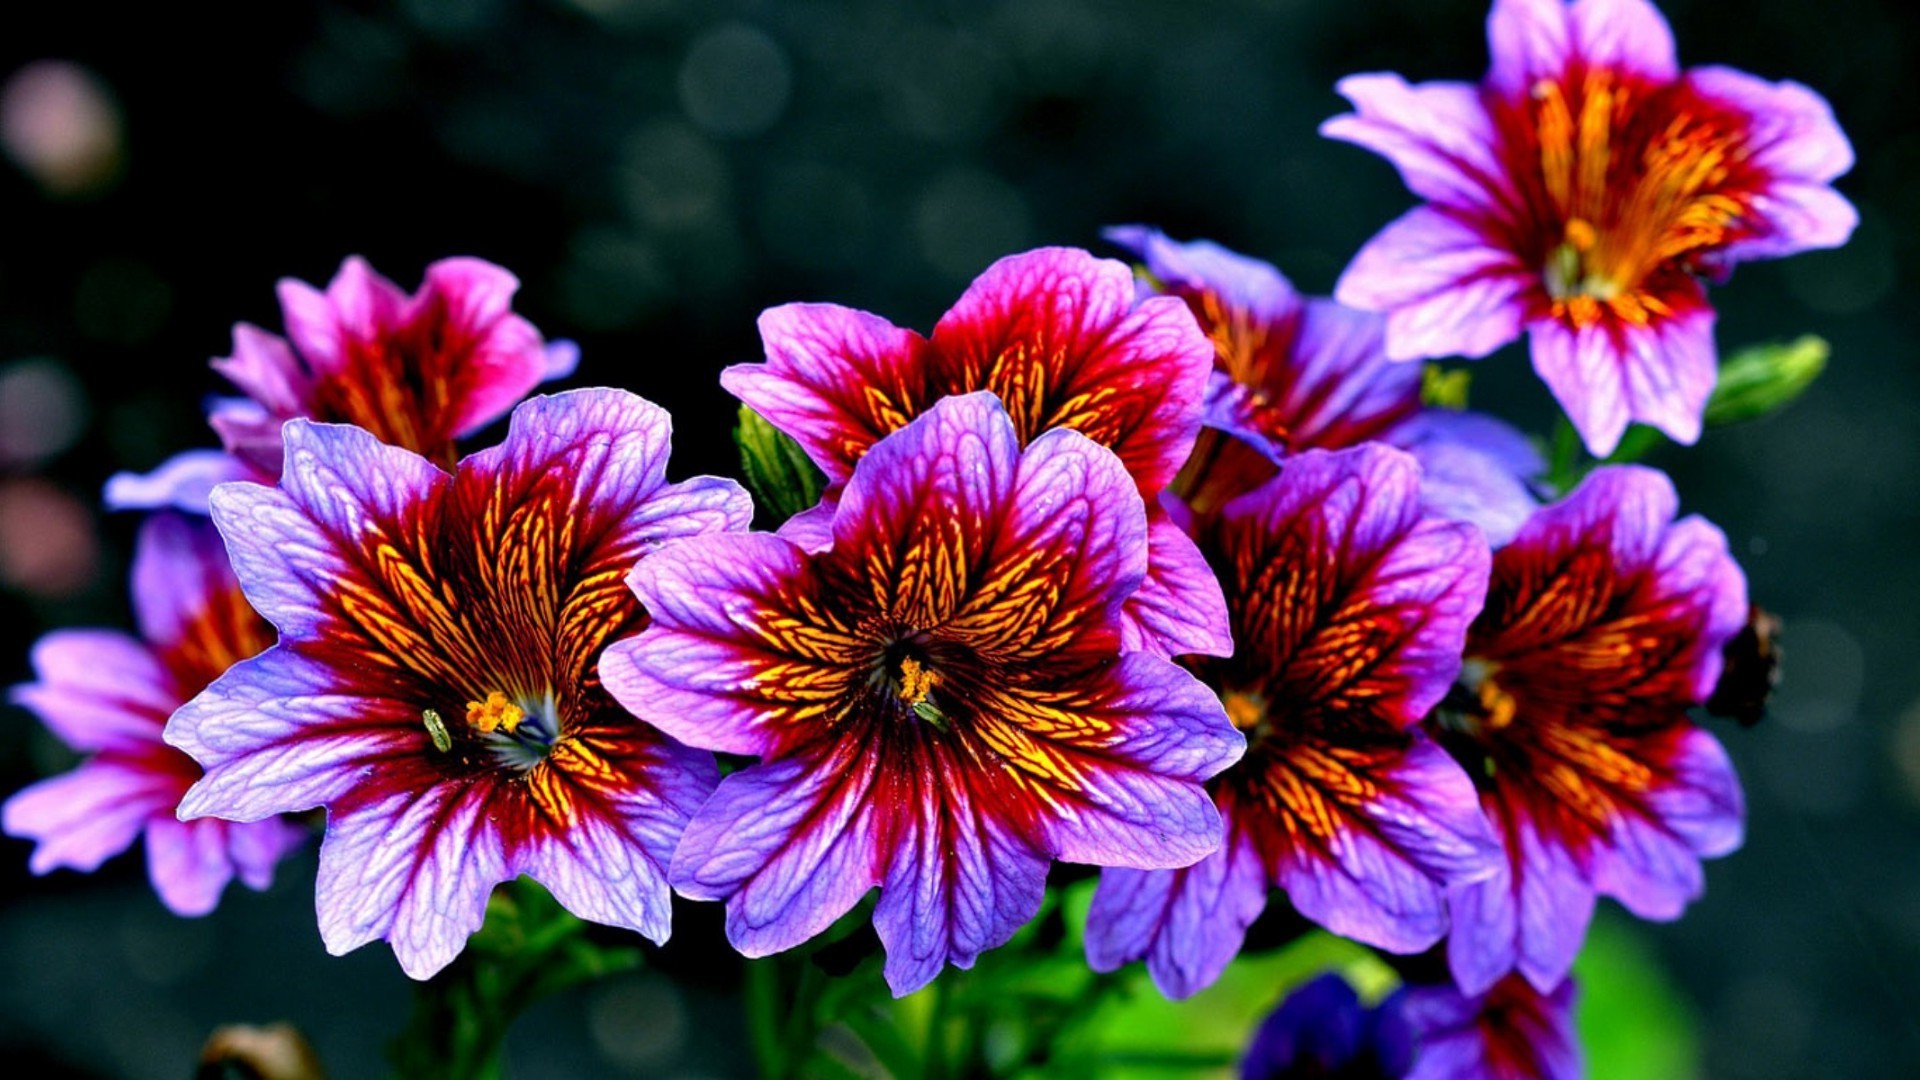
(494,713)
(550,791)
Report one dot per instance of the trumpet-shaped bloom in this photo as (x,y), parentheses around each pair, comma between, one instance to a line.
(1059,336)
(1604,623)
(939,700)
(1293,373)
(417,371)
(1323,1032)
(434,687)
(1509,1032)
(1579,192)
(108,694)
(1349,608)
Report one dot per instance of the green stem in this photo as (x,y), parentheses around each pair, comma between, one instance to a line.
(763,1016)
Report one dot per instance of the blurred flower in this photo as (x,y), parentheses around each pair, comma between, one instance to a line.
(1349,607)
(1293,373)
(1604,623)
(61,124)
(1322,1032)
(434,686)
(1510,1032)
(109,694)
(417,371)
(1578,192)
(939,699)
(1060,338)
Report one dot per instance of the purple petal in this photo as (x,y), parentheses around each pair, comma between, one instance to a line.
(692,673)
(788,845)
(1447,288)
(960,883)
(414,864)
(98,690)
(561,360)
(1793,138)
(1651,860)
(182,482)
(358,303)
(258,846)
(819,359)
(1178,609)
(188,863)
(1439,135)
(1138,802)
(1530,917)
(1474,468)
(264,368)
(1202,265)
(1541,39)
(1381,877)
(1605,374)
(276,734)
(82,818)
(1188,923)
(1508,1033)
(180,570)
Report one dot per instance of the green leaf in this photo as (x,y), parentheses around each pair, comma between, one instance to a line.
(1633,1022)
(783,481)
(1762,379)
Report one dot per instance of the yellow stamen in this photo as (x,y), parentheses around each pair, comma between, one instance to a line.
(495,712)
(1498,705)
(916,681)
(1244,709)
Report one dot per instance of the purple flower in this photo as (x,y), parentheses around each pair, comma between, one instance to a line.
(108,694)
(1579,192)
(1294,373)
(1349,605)
(939,699)
(1604,624)
(1322,1032)
(1509,1032)
(417,371)
(1061,338)
(435,686)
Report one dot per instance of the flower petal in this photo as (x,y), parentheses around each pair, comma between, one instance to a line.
(1188,923)
(82,818)
(183,482)
(1447,288)
(1439,136)
(98,690)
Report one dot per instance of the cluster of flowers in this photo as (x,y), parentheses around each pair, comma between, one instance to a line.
(1175,573)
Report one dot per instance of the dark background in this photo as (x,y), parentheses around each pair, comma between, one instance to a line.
(658,171)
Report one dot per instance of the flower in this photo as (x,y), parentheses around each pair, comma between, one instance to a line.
(1059,336)
(108,694)
(1604,623)
(1510,1032)
(1293,373)
(1578,192)
(1322,1031)
(417,371)
(939,700)
(434,687)
(1349,607)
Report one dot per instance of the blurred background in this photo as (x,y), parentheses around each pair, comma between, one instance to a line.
(658,171)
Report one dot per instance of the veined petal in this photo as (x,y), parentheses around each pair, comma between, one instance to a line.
(1542,39)
(1059,336)
(98,690)
(962,456)
(1239,284)
(412,860)
(1437,134)
(1447,287)
(1511,1031)
(277,735)
(82,818)
(182,482)
(961,878)
(789,845)
(1369,834)
(1188,923)
(836,380)
(1178,610)
(696,676)
(1531,916)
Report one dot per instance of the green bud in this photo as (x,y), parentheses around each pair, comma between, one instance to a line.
(1762,379)
(437,728)
(784,482)
(1443,389)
